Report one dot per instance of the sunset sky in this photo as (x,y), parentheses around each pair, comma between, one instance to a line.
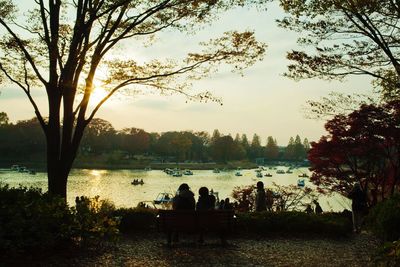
(262,101)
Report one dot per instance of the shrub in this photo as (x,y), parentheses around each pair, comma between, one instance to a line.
(293,222)
(384,219)
(389,254)
(94,220)
(136,219)
(286,197)
(30,219)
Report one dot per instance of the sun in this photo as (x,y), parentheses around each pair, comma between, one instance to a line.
(97,95)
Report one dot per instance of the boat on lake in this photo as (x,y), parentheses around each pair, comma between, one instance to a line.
(303,175)
(300,182)
(15,167)
(216,170)
(177,173)
(23,169)
(187,172)
(238,173)
(137,182)
(268,175)
(280,172)
(259,175)
(164,200)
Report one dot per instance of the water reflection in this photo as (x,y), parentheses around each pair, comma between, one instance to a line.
(116,184)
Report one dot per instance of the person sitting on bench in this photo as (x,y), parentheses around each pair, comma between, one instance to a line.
(206,201)
(183,200)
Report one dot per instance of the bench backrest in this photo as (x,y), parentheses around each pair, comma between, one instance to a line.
(187,220)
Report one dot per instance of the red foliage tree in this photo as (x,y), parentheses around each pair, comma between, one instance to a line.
(361,147)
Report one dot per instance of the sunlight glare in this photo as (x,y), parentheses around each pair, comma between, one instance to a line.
(97,95)
(97,173)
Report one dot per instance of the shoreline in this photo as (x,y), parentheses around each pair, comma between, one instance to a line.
(142,165)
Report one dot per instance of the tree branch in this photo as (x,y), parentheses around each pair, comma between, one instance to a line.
(25,51)
(27,92)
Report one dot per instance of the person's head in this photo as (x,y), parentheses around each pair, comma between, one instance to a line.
(315,202)
(203,191)
(183,187)
(260,185)
(227,200)
(222,202)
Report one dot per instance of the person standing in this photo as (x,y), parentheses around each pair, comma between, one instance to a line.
(309,209)
(318,209)
(261,203)
(358,206)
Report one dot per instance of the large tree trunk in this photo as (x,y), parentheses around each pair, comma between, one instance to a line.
(57,181)
(57,177)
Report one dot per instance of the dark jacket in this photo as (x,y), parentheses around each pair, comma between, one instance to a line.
(261,204)
(184,200)
(205,203)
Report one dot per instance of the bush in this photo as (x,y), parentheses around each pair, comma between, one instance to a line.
(94,220)
(136,219)
(293,222)
(389,254)
(30,219)
(384,219)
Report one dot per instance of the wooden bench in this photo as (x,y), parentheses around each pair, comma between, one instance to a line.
(200,222)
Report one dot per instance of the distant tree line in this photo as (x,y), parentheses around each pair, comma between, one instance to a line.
(25,138)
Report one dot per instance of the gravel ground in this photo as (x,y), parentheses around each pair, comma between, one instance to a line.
(150,250)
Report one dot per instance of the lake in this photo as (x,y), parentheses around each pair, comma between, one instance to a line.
(115,185)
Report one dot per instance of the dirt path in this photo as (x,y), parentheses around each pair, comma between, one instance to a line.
(150,250)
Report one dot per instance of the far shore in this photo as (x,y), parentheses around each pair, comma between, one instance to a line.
(141,165)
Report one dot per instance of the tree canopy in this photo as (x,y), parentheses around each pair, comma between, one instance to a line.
(361,147)
(346,37)
(61,45)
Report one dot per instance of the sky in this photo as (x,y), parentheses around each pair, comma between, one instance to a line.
(262,101)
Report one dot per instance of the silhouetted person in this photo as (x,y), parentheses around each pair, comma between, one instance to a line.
(221,204)
(269,198)
(309,210)
(183,200)
(261,204)
(227,204)
(206,201)
(318,209)
(358,206)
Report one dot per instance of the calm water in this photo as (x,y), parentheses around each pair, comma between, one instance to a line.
(116,184)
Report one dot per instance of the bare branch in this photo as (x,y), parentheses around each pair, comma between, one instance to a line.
(24,50)
(27,92)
